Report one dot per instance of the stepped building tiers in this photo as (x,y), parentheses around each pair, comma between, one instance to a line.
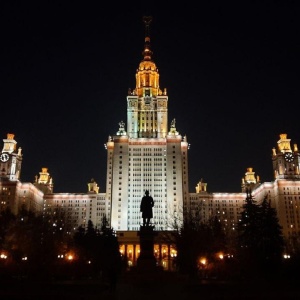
(147,153)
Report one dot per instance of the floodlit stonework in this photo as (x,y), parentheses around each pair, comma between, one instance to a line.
(148,154)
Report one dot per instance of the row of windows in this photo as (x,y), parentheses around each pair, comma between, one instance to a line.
(290,199)
(71,201)
(288,193)
(150,154)
(138,166)
(144,149)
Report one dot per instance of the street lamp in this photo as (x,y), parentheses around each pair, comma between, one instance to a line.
(70,257)
(203,261)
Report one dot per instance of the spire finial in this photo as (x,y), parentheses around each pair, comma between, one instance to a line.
(147,52)
(147,20)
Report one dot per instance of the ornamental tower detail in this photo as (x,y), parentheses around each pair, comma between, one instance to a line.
(147,105)
(10,159)
(286,162)
(146,154)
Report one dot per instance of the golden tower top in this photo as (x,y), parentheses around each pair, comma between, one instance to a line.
(147,77)
(284,144)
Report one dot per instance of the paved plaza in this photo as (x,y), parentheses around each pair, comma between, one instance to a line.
(148,289)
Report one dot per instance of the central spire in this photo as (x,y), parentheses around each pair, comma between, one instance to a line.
(147,76)
(147,105)
(147,52)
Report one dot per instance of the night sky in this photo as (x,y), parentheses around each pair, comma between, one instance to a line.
(231,71)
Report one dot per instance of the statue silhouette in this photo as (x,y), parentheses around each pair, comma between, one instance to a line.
(146,208)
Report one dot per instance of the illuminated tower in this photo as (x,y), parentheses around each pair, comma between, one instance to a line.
(147,155)
(286,161)
(44,182)
(10,159)
(285,195)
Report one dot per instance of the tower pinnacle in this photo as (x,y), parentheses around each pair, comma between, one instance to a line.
(147,52)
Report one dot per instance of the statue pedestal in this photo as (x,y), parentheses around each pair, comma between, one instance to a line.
(146,270)
(146,261)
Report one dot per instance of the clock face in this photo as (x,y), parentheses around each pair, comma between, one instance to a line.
(4,157)
(289,157)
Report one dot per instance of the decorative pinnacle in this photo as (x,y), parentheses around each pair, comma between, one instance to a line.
(147,52)
(147,20)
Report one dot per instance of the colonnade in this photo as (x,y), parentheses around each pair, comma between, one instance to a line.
(165,254)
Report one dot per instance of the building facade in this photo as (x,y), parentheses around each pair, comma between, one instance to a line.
(148,154)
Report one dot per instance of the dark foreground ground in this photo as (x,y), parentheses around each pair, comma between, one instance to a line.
(148,287)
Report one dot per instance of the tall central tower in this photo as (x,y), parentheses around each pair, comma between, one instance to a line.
(147,155)
(147,105)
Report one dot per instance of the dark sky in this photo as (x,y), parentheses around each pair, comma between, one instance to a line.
(231,71)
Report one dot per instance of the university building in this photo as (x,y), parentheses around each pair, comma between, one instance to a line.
(148,153)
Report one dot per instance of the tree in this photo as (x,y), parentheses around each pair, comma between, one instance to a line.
(271,242)
(260,238)
(33,241)
(196,238)
(111,256)
(6,218)
(101,247)
(218,236)
(190,244)
(248,234)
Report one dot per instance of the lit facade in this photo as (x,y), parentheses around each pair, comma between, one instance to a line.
(148,154)
(283,192)
(15,194)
